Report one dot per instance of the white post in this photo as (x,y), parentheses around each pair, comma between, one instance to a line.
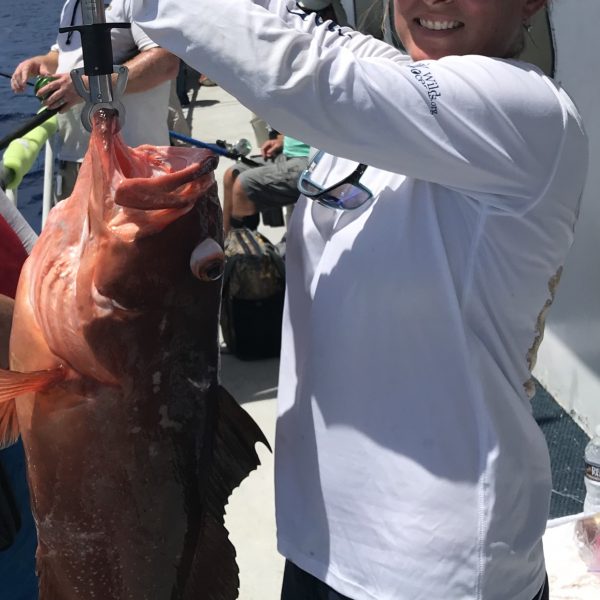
(48,182)
(12,196)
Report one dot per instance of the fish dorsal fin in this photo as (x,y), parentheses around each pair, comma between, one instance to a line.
(15,383)
(214,573)
(9,426)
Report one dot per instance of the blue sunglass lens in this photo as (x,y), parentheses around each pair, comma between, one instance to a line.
(306,186)
(346,196)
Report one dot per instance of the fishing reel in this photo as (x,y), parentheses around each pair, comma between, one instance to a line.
(238,149)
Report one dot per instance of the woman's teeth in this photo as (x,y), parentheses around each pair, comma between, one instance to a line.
(439,25)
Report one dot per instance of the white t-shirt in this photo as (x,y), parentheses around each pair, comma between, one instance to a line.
(145,112)
(408,464)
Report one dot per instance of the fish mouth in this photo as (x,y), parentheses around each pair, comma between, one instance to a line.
(146,199)
(145,188)
(172,190)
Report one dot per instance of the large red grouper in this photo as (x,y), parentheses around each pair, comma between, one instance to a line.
(132,446)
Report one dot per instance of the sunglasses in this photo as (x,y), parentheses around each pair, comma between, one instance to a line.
(346,194)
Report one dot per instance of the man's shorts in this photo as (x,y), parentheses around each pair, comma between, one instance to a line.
(300,585)
(274,184)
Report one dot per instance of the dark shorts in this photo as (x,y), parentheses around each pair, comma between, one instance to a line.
(274,184)
(300,585)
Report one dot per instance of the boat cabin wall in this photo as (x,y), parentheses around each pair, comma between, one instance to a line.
(569,358)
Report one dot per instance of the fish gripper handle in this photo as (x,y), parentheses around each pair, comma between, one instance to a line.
(96,46)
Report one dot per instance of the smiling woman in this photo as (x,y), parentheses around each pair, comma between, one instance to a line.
(408,464)
(436,28)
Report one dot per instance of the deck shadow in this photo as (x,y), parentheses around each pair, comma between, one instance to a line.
(201,103)
(249,380)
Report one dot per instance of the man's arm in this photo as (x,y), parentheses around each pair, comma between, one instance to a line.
(146,70)
(44,64)
(149,69)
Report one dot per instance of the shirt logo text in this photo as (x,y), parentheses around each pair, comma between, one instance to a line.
(425,77)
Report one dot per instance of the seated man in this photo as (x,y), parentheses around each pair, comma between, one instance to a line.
(250,190)
(247,190)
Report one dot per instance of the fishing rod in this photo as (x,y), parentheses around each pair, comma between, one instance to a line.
(27,126)
(236,151)
(10,77)
(21,153)
(6,176)
(41,117)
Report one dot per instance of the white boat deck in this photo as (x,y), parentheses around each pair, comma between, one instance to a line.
(250,514)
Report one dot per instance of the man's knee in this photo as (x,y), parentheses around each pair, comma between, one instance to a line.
(229,177)
(239,191)
(242,205)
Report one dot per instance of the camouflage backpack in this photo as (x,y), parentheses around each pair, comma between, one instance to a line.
(253,292)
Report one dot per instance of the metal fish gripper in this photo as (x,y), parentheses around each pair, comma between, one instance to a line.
(98,63)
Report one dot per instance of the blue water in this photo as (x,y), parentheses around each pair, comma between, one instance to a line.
(17,563)
(27,28)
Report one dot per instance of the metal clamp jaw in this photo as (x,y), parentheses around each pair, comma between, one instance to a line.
(101,93)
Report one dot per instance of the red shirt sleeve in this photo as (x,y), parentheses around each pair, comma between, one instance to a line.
(12,257)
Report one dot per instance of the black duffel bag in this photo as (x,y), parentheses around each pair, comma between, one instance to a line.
(253,293)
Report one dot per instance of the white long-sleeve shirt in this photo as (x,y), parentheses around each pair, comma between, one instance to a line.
(408,465)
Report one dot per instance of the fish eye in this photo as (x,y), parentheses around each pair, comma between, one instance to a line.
(214,270)
(208,261)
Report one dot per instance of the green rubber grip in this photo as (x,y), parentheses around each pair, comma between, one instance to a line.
(21,153)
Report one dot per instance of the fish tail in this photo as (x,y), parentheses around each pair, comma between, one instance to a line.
(214,573)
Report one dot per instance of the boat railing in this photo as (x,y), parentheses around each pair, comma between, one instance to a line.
(22,153)
(48,190)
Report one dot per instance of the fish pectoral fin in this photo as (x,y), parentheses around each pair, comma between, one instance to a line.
(9,426)
(214,574)
(15,383)
(12,385)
